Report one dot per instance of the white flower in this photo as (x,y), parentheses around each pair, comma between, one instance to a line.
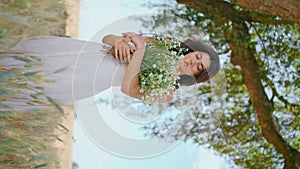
(155,83)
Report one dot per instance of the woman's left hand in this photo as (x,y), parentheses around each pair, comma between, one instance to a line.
(122,51)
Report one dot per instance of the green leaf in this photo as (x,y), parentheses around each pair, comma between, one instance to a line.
(59,139)
(27,74)
(64,127)
(41,165)
(4,75)
(36,95)
(24,59)
(2,105)
(40,119)
(36,58)
(55,104)
(61,69)
(3,124)
(38,157)
(9,150)
(8,143)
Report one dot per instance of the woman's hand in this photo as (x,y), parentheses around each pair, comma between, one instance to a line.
(120,45)
(122,51)
(136,39)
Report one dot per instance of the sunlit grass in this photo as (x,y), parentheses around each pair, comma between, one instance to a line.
(25,18)
(27,136)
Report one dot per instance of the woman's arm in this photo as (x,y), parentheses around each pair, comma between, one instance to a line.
(112,39)
(122,50)
(131,84)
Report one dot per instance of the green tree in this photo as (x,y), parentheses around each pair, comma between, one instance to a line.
(258,122)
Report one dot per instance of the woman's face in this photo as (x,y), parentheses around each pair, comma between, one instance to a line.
(194,63)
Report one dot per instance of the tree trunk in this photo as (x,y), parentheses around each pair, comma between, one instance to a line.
(244,57)
(287,9)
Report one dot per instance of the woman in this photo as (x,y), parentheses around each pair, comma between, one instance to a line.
(198,65)
(80,70)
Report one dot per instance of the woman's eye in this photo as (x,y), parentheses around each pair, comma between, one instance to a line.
(199,56)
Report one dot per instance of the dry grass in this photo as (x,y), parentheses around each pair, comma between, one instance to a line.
(26,137)
(25,18)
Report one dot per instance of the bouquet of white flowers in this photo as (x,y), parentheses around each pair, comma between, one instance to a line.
(158,70)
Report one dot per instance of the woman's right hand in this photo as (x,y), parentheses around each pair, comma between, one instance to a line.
(122,51)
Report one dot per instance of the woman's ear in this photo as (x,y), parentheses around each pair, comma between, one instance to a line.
(187,80)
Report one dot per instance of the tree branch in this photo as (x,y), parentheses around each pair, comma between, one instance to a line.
(228,11)
(276,94)
(263,107)
(287,9)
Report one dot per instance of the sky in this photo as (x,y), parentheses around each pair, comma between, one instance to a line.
(94,17)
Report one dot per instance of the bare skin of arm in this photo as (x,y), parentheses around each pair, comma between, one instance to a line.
(131,84)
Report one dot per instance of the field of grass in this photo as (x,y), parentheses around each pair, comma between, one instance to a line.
(25,18)
(26,136)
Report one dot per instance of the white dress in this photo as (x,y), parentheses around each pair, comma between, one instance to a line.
(80,69)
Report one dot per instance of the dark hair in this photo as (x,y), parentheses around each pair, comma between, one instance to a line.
(196,45)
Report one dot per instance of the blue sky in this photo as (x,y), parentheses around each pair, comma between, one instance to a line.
(94,16)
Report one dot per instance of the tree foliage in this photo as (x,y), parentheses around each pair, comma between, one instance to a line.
(255,123)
